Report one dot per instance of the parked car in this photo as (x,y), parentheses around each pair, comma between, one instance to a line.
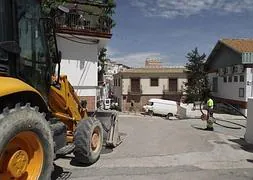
(161,107)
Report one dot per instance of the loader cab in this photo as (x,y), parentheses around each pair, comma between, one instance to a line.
(34,64)
(23,28)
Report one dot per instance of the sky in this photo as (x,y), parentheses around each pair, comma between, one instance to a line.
(168,29)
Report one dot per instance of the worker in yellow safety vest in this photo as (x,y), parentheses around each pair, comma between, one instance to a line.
(209,114)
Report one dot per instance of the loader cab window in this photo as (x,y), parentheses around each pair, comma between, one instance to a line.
(33,57)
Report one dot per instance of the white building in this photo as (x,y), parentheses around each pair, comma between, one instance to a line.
(111,68)
(230,67)
(81,35)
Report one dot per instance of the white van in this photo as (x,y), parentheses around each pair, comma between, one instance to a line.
(162,107)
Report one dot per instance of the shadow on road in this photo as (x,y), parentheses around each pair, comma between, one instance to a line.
(73,162)
(250,160)
(230,122)
(60,174)
(106,150)
(198,128)
(243,144)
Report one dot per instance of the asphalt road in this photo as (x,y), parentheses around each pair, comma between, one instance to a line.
(155,148)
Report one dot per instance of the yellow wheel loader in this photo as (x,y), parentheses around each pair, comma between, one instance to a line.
(40,114)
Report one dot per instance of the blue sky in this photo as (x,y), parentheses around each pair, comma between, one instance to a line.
(168,29)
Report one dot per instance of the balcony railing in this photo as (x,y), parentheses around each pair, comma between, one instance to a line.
(83,23)
(134,91)
(100,3)
(169,92)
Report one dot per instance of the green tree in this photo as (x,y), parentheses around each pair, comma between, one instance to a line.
(48,5)
(110,11)
(197,88)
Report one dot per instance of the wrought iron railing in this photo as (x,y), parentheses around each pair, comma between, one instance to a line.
(170,92)
(83,22)
(134,90)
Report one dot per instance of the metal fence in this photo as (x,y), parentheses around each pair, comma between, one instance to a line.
(83,22)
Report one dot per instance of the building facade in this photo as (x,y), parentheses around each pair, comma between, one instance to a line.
(231,72)
(141,84)
(111,68)
(81,34)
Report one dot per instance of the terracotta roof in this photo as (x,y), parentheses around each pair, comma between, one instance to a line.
(154,70)
(239,45)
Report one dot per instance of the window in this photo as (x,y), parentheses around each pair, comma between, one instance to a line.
(241,92)
(154,82)
(215,84)
(241,78)
(135,85)
(225,79)
(229,78)
(33,57)
(119,82)
(235,78)
(173,85)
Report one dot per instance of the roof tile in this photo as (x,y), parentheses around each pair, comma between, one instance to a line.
(240,45)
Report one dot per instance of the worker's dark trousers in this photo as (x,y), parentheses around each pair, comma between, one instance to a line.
(210,118)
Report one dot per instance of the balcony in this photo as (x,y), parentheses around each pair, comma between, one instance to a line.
(172,95)
(79,22)
(134,91)
(169,92)
(99,3)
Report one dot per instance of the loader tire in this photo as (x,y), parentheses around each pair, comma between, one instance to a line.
(88,140)
(26,144)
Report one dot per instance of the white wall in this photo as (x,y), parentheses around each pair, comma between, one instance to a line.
(79,63)
(147,89)
(125,85)
(249,127)
(228,90)
(249,84)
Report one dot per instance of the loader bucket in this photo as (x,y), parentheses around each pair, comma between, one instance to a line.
(110,124)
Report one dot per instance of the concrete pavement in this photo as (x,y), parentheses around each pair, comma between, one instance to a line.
(155,148)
